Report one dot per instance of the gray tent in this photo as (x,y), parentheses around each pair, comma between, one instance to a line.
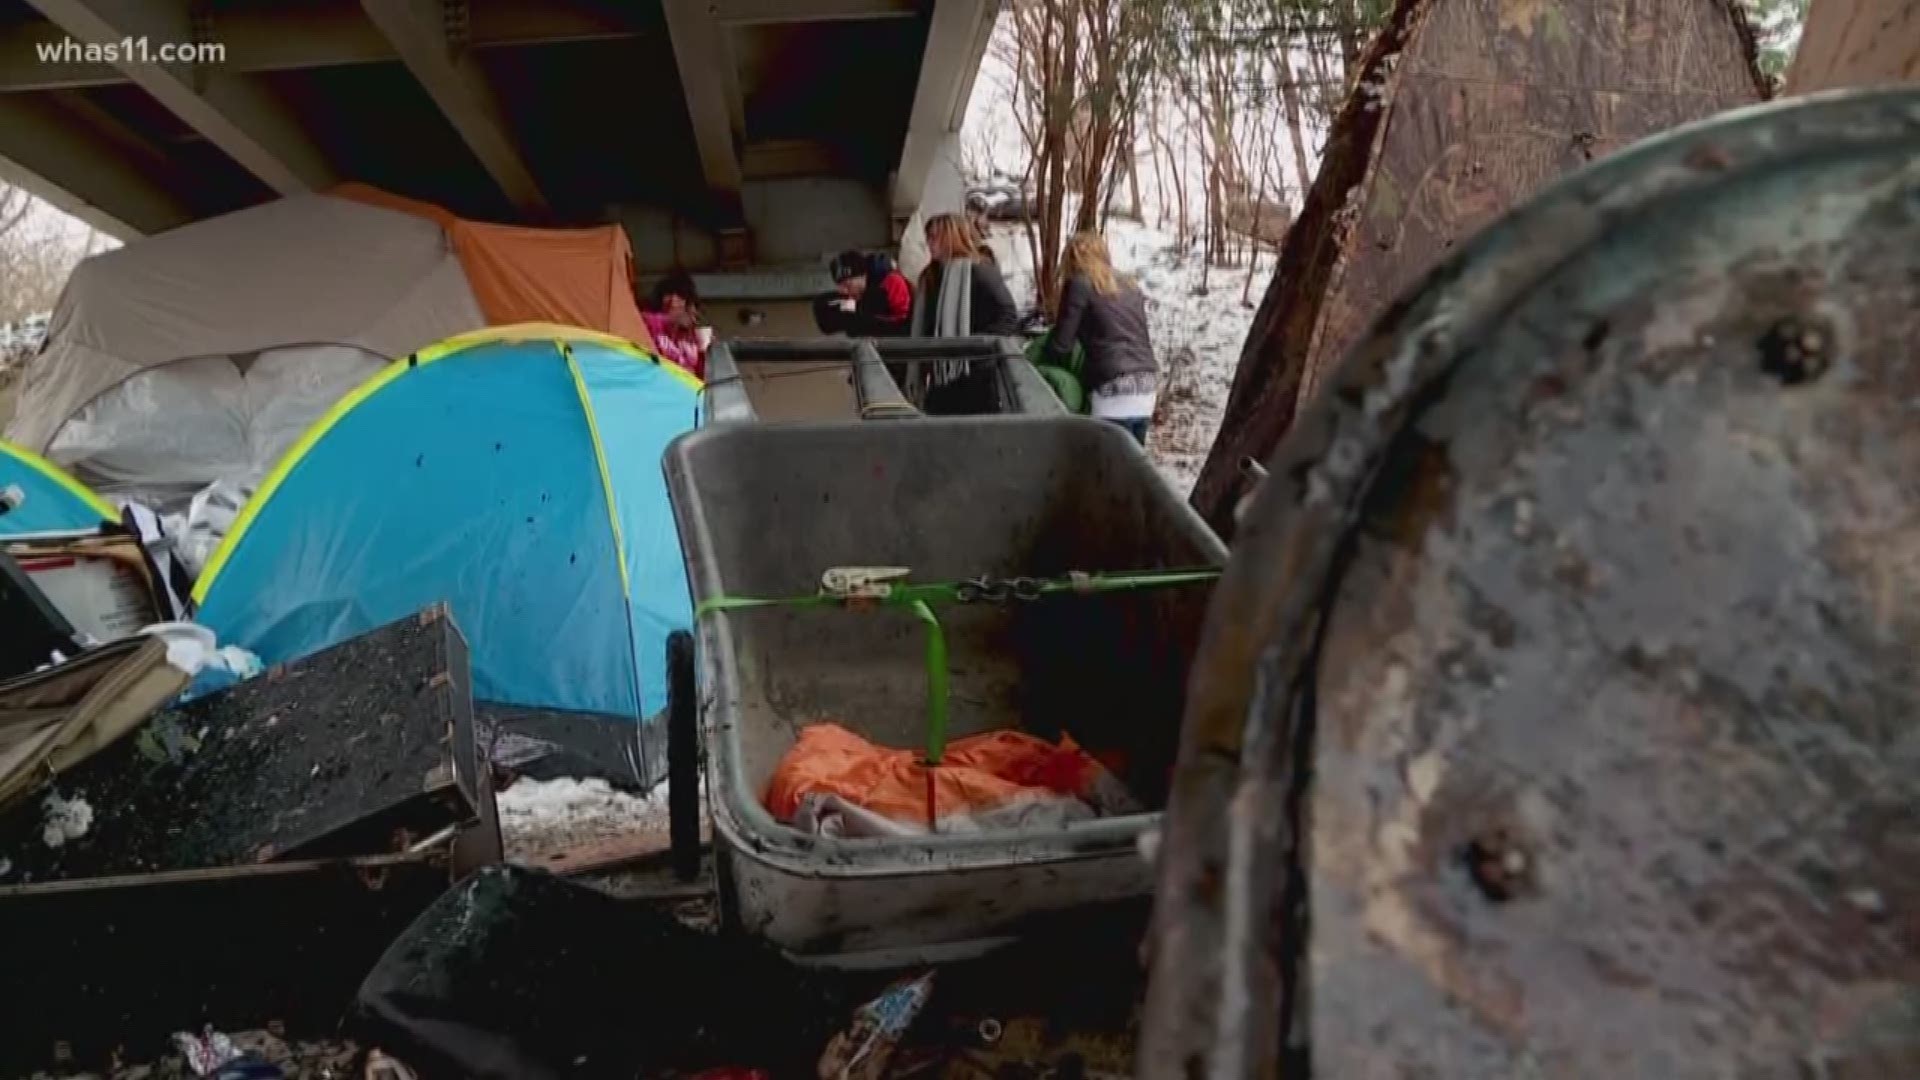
(202,353)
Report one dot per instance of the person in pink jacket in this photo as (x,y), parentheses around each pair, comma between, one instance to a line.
(673,320)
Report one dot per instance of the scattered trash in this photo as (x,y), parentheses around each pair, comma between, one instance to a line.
(209,517)
(863,1050)
(508,975)
(54,720)
(206,1052)
(380,1066)
(163,741)
(193,649)
(67,819)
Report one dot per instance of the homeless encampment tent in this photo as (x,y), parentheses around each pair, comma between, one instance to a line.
(203,352)
(576,277)
(39,496)
(513,473)
(199,355)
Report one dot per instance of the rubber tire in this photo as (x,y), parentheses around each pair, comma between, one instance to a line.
(683,756)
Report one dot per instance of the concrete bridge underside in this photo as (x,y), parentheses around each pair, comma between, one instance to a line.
(722,133)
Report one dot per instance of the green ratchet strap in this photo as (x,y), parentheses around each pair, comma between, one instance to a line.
(887,588)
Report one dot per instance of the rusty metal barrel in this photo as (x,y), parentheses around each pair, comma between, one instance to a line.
(1559,714)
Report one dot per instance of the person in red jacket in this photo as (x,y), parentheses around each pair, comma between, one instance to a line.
(871,298)
(674,322)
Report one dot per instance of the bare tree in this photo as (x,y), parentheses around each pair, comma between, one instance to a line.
(36,254)
(1288,15)
(1083,69)
(1198,88)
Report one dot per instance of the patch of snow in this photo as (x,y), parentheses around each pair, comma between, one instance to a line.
(995,150)
(67,819)
(1198,317)
(541,819)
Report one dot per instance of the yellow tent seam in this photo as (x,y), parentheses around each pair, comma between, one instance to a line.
(600,459)
(61,478)
(521,332)
(540,331)
(284,468)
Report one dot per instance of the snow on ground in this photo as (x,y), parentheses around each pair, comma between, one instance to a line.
(1199,324)
(1198,319)
(1198,328)
(542,819)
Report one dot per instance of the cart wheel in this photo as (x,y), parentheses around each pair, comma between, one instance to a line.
(683,756)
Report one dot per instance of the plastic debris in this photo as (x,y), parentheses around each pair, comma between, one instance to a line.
(207,1052)
(193,649)
(863,1050)
(67,819)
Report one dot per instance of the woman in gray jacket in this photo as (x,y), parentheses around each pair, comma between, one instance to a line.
(1106,315)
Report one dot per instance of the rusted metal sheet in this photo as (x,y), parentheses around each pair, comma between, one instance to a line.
(1556,714)
(1463,108)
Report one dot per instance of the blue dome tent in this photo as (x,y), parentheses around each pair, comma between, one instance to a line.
(43,497)
(512,472)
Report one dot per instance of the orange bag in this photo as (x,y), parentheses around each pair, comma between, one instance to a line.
(979,773)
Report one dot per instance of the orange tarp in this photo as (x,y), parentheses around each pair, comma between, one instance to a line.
(576,277)
(977,773)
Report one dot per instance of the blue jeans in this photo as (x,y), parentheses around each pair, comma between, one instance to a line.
(1136,427)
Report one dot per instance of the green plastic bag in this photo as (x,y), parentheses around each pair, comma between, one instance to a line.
(1066,387)
(1065,381)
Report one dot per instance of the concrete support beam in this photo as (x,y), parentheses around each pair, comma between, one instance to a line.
(58,158)
(750,12)
(236,115)
(313,35)
(776,159)
(700,53)
(452,78)
(956,42)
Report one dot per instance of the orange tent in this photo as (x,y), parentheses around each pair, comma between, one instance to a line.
(576,277)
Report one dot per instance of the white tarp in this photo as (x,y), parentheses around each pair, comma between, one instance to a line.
(310,270)
(185,425)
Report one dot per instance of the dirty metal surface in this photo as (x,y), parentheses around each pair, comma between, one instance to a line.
(1557,716)
(337,754)
(1464,108)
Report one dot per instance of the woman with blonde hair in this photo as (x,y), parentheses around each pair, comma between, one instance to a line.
(1105,315)
(952,238)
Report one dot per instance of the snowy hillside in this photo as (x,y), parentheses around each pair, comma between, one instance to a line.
(1198,316)
(1198,320)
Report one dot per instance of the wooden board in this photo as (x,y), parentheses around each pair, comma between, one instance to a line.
(341,753)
